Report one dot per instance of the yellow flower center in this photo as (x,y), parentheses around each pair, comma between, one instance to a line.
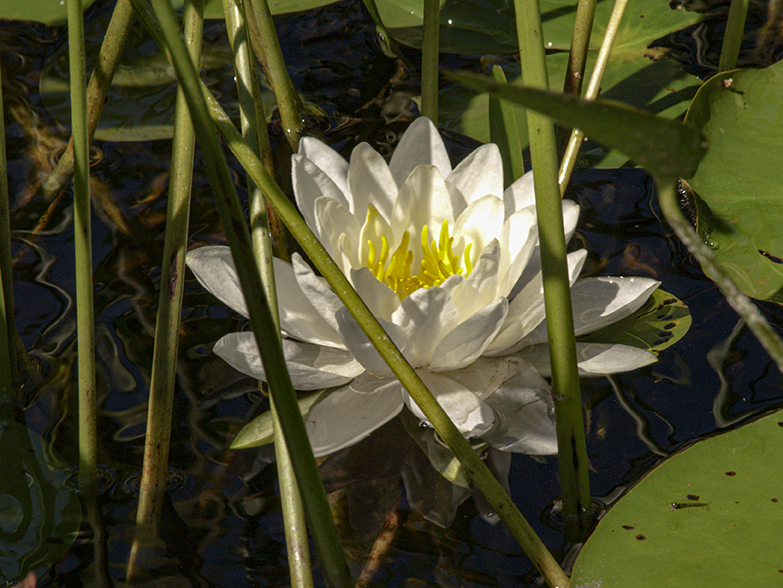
(438,262)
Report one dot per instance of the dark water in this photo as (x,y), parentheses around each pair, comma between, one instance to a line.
(223,527)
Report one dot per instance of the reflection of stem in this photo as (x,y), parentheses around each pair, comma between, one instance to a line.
(642,426)
(718,358)
(156,446)
(380,548)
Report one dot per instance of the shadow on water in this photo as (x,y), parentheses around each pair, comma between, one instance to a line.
(222,524)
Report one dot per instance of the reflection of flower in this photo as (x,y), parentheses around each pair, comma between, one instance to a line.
(447,261)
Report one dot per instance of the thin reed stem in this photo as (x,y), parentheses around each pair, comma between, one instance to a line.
(430,53)
(572,450)
(734,35)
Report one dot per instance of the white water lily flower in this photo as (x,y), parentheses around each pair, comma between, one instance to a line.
(447,261)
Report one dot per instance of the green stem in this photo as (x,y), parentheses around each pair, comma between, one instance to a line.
(572,449)
(98,89)
(271,56)
(504,132)
(7,350)
(254,131)
(475,467)
(167,327)
(746,308)
(429,60)
(734,35)
(263,326)
(591,93)
(577,57)
(85,320)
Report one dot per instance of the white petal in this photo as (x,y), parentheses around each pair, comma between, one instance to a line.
(519,237)
(570,218)
(346,416)
(423,200)
(479,223)
(420,144)
(328,160)
(321,296)
(310,182)
(379,298)
(375,228)
(311,366)
(425,316)
(214,269)
(479,174)
(595,359)
(298,317)
(464,344)
(520,194)
(471,415)
(599,302)
(481,286)
(525,415)
(371,182)
(364,351)
(526,311)
(334,224)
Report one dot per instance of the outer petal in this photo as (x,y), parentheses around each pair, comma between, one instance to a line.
(479,174)
(348,415)
(321,296)
(298,317)
(599,302)
(328,160)
(595,359)
(519,237)
(310,182)
(525,415)
(214,269)
(425,317)
(361,348)
(464,344)
(472,416)
(420,144)
(481,286)
(371,182)
(311,366)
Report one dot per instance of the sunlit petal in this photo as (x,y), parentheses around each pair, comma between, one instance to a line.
(359,345)
(214,269)
(420,145)
(595,359)
(463,345)
(479,174)
(425,317)
(328,160)
(371,182)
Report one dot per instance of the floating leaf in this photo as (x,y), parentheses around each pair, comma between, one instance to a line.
(709,516)
(660,323)
(665,147)
(738,184)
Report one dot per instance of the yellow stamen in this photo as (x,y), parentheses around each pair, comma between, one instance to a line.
(438,262)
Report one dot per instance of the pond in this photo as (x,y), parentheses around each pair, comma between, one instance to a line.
(222,521)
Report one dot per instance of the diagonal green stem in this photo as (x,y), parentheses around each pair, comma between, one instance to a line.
(268,50)
(263,326)
(98,89)
(254,131)
(769,339)
(572,450)
(85,321)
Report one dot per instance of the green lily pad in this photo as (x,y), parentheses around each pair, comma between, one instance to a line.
(489,26)
(660,323)
(737,187)
(707,517)
(39,516)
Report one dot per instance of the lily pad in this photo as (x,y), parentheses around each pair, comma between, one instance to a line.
(39,516)
(489,26)
(737,187)
(709,516)
(660,323)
